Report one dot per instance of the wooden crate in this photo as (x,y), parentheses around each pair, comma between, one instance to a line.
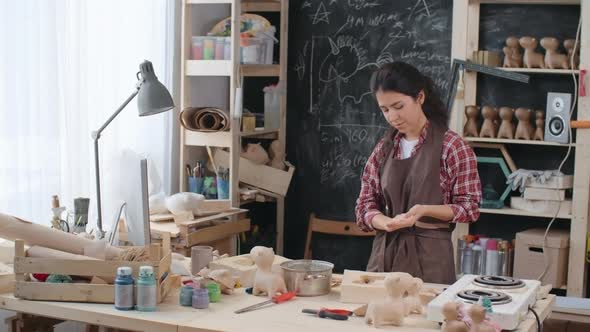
(215,230)
(160,259)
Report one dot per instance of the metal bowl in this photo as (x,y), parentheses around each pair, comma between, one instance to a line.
(308,277)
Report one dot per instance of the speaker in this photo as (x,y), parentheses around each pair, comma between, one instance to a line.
(557,117)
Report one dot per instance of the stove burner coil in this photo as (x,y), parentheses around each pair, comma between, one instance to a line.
(498,282)
(473,295)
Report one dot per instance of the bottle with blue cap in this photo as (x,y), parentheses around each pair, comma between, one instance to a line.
(124,289)
(146,289)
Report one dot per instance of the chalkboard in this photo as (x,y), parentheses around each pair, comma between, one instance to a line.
(333,120)
(500,21)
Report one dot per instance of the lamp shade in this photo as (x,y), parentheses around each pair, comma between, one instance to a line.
(153,97)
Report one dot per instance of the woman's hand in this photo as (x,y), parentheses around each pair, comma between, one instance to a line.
(392,224)
(417,211)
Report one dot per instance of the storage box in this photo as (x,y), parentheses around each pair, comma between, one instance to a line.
(160,259)
(529,259)
(261,176)
(243,266)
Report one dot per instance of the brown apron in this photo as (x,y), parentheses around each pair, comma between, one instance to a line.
(424,250)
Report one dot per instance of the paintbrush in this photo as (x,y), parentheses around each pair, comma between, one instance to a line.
(211,158)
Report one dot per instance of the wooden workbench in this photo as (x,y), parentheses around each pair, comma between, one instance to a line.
(220,316)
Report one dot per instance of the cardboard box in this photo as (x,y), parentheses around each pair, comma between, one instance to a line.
(529,259)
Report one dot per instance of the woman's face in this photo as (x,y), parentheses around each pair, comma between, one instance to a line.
(401,111)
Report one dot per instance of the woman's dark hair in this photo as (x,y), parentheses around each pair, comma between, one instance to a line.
(404,78)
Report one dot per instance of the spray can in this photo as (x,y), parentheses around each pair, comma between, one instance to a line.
(476,250)
(492,257)
(483,242)
(124,289)
(146,289)
(460,248)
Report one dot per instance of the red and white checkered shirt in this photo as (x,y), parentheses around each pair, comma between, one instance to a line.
(459,180)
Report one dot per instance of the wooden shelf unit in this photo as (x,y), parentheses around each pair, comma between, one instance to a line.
(515,141)
(202,74)
(541,71)
(466,19)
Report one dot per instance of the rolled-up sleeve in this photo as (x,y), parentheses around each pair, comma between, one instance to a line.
(461,166)
(369,202)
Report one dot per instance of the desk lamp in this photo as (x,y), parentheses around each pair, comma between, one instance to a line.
(153,98)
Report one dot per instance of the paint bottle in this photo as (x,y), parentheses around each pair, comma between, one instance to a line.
(197,48)
(460,248)
(200,298)
(219,48)
(227,48)
(492,257)
(467,261)
(124,288)
(146,289)
(214,292)
(186,295)
(209,48)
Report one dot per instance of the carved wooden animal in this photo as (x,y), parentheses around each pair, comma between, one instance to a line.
(489,127)
(540,123)
(524,129)
(391,310)
(452,323)
(266,281)
(277,155)
(412,301)
(569,46)
(506,127)
(531,58)
(478,315)
(255,153)
(512,54)
(554,59)
(470,129)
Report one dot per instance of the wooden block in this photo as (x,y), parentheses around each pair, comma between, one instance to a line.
(248,123)
(548,207)
(243,267)
(356,289)
(544,194)
(555,182)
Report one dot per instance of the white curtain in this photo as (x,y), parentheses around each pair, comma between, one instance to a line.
(65,67)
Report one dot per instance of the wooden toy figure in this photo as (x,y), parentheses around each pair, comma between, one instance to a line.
(489,127)
(512,54)
(569,46)
(412,302)
(266,281)
(452,323)
(391,310)
(470,129)
(540,123)
(478,315)
(554,59)
(506,127)
(531,59)
(524,129)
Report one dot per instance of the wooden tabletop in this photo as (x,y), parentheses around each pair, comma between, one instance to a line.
(220,316)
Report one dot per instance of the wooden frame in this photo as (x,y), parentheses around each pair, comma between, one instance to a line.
(160,259)
(465,41)
(344,228)
(235,72)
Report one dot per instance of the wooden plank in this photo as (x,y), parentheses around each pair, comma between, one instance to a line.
(197,2)
(514,141)
(233,212)
(280,225)
(185,49)
(19,253)
(532,2)
(216,138)
(218,232)
(208,67)
(65,292)
(503,150)
(261,6)
(540,71)
(261,70)
(458,47)
(261,133)
(543,309)
(283,57)
(161,227)
(515,212)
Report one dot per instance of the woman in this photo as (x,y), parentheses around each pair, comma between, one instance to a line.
(420,179)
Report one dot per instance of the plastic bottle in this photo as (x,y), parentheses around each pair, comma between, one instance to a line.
(209,48)
(460,248)
(219,48)
(197,48)
(227,48)
(146,289)
(200,298)
(124,288)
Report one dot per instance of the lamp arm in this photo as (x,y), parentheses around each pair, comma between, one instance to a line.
(96,137)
